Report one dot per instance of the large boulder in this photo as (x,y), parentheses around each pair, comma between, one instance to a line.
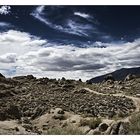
(94,132)
(114,128)
(118,128)
(103,127)
(129,77)
(137,95)
(58,113)
(109,77)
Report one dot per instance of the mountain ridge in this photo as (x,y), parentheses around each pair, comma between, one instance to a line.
(118,74)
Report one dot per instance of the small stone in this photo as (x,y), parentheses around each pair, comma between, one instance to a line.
(137,95)
(16,128)
(64,124)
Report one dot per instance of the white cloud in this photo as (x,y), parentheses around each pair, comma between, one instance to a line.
(14,44)
(18,42)
(87,17)
(39,9)
(71,27)
(22,53)
(4,24)
(79,29)
(83,15)
(4,10)
(8,58)
(73,62)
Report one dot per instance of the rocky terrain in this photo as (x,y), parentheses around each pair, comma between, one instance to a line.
(129,86)
(48,106)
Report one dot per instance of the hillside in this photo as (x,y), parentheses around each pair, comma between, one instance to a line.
(118,74)
(48,106)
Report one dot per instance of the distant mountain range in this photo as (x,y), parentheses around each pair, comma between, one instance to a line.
(118,74)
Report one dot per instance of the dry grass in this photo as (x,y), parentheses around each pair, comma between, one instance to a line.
(69,130)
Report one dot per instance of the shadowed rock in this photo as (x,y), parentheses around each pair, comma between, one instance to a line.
(1,76)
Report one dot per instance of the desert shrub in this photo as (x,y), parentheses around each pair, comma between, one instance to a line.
(92,123)
(89,82)
(83,122)
(134,127)
(69,130)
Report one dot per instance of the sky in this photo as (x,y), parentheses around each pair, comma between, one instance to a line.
(68,41)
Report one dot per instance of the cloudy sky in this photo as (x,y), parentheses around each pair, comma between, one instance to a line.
(68,41)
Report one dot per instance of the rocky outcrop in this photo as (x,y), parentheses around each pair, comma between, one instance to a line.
(127,87)
(118,74)
(58,113)
(123,130)
(118,128)
(129,77)
(10,112)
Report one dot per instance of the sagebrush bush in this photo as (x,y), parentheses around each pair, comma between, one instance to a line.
(134,127)
(92,123)
(84,122)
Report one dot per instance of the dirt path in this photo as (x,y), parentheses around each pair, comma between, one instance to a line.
(135,100)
